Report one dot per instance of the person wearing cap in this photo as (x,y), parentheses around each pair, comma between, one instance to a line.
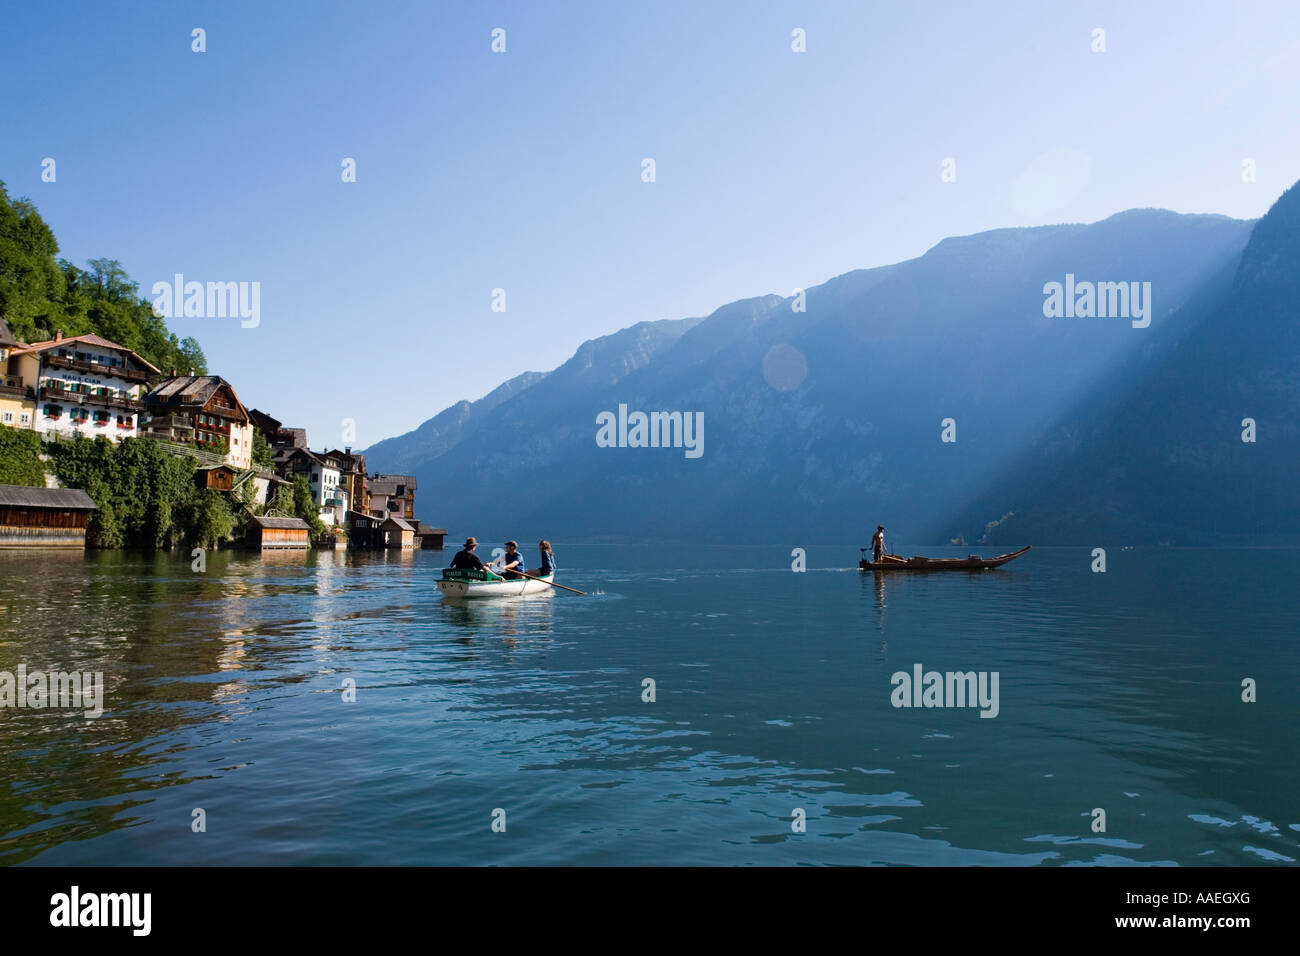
(466,559)
(512,562)
(878,543)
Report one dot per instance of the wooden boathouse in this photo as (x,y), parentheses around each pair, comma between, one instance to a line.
(277,534)
(398,534)
(43,517)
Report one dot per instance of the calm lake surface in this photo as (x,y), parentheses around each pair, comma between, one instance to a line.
(1119,691)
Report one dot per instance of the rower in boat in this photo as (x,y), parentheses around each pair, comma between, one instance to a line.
(466,559)
(512,562)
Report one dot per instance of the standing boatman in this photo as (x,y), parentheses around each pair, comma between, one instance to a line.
(878,543)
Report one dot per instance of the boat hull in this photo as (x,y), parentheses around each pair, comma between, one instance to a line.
(477,585)
(972,563)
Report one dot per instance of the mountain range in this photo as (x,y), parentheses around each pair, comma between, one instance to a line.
(940,396)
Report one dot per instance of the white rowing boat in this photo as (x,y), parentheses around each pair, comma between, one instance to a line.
(462,584)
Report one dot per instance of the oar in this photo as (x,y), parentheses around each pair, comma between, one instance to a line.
(544,581)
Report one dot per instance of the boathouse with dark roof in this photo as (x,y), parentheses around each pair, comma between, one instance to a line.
(43,517)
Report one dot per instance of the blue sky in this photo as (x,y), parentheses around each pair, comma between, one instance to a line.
(522,170)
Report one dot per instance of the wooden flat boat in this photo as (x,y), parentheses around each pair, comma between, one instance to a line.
(460,583)
(972,562)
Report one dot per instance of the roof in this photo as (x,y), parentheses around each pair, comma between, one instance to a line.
(84,340)
(6,337)
(422,528)
(297,437)
(400,522)
(349,458)
(408,480)
(262,419)
(65,499)
(295,524)
(190,391)
(287,455)
(378,488)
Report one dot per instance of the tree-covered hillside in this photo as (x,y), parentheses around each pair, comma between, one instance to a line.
(40,293)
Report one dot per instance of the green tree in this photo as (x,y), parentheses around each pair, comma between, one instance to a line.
(214,520)
(261,450)
(146,496)
(305,507)
(20,458)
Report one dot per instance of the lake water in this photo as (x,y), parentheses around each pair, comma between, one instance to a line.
(1120,691)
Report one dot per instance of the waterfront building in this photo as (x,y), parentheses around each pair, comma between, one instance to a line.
(81,385)
(398,534)
(429,538)
(43,517)
(277,534)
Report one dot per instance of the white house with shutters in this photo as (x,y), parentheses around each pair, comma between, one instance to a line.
(84,385)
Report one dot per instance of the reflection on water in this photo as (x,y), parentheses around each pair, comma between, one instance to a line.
(224,691)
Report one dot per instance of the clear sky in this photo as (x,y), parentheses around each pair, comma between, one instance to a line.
(522,170)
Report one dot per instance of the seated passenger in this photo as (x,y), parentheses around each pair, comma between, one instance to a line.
(466,559)
(548,559)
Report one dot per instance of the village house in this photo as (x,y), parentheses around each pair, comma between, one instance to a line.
(266,484)
(17,401)
(276,435)
(353,478)
(202,410)
(43,517)
(323,473)
(84,385)
(392,495)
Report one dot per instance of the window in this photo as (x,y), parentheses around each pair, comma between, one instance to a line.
(8,417)
(100,417)
(24,419)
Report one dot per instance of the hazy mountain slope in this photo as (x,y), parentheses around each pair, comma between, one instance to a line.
(1157,453)
(401,454)
(958,332)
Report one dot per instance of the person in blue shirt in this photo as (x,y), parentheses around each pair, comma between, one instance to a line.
(548,558)
(512,562)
